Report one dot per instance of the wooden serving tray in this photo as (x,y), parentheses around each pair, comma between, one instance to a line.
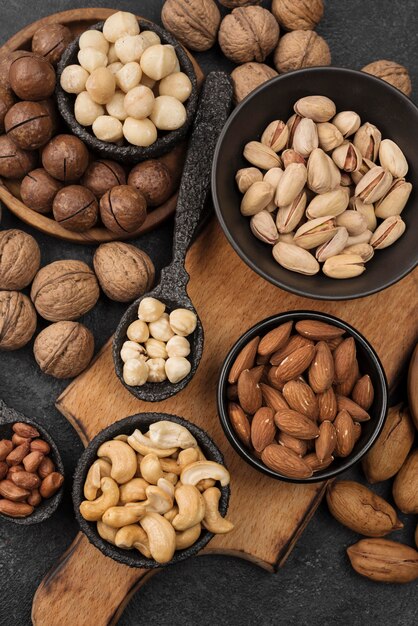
(85,587)
(78,20)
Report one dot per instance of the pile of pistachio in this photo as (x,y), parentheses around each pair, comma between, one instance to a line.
(318,186)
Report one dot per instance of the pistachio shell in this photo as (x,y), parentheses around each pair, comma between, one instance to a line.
(288,217)
(329,136)
(395,200)
(317,108)
(291,156)
(330,203)
(367,140)
(334,246)
(305,138)
(315,232)
(263,227)
(292,124)
(347,122)
(246,176)
(343,266)
(354,222)
(273,176)
(388,232)
(365,250)
(347,157)
(261,156)
(291,184)
(295,259)
(363,238)
(366,166)
(323,174)
(366,210)
(393,159)
(256,198)
(374,185)
(275,135)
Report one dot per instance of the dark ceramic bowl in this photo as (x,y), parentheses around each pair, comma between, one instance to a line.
(369,364)
(47,507)
(375,101)
(126,426)
(127,153)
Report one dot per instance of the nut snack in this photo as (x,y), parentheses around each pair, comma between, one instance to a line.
(154,492)
(324,188)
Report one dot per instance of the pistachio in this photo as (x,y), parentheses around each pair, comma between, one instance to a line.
(347,157)
(292,124)
(273,176)
(295,259)
(291,156)
(363,238)
(346,181)
(367,139)
(354,222)
(374,185)
(291,184)
(315,232)
(276,135)
(393,203)
(343,266)
(288,217)
(305,138)
(329,136)
(334,246)
(365,250)
(317,108)
(347,122)
(256,198)
(246,176)
(330,203)
(393,159)
(388,232)
(287,238)
(263,227)
(366,166)
(366,210)
(261,156)
(323,174)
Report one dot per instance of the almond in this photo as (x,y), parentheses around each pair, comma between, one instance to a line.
(405,487)
(273,398)
(257,372)
(299,446)
(318,331)
(333,343)
(344,359)
(12,492)
(240,423)
(315,464)
(263,428)
(384,560)
(275,339)
(272,379)
(295,342)
(346,387)
(356,412)
(363,392)
(295,364)
(300,397)
(327,402)
(321,370)
(344,428)
(325,443)
(357,432)
(249,393)
(232,392)
(244,361)
(295,424)
(285,461)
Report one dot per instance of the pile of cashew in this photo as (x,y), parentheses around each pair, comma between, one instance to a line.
(154,492)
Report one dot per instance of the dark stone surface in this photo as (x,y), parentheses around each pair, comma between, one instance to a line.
(317,585)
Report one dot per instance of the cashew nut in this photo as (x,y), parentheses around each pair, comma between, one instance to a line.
(118,516)
(167,434)
(201,455)
(144,446)
(97,471)
(191,507)
(166,486)
(171,477)
(94,510)
(188,537)
(133,490)
(106,532)
(159,501)
(170,465)
(204,484)
(122,458)
(161,537)
(213,520)
(190,455)
(133,536)
(122,437)
(200,470)
(171,514)
(151,468)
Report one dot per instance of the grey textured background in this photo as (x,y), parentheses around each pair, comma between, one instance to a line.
(317,586)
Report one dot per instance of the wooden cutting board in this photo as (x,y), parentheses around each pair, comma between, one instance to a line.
(85,587)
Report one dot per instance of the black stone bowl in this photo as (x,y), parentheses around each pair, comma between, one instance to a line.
(375,101)
(369,363)
(127,153)
(126,426)
(47,507)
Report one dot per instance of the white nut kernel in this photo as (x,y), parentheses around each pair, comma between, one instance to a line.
(183,322)
(129,76)
(139,102)
(149,38)
(112,57)
(138,331)
(156,349)
(178,346)
(150,309)
(73,79)
(177,85)
(177,368)
(91,59)
(135,372)
(115,67)
(156,370)
(168,113)
(159,61)
(116,108)
(101,85)
(129,48)
(86,110)
(132,350)
(139,132)
(120,24)
(93,39)
(147,81)
(108,128)
(161,329)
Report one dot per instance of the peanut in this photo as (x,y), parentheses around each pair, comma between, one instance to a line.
(17,455)
(15,509)
(4,468)
(46,467)
(51,484)
(25,430)
(26,480)
(12,492)
(39,445)
(32,461)
(17,440)
(6,447)
(34,498)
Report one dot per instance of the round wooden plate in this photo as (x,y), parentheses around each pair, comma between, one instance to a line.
(77,20)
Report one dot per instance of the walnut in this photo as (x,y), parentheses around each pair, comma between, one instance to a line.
(248,77)
(301,48)
(64,290)
(393,73)
(195,23)
(248,34)
(231,4)
(64,349)
(123,271)
(20,259)
(17,320)
(298,14)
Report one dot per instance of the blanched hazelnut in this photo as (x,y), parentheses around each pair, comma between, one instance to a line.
(161,329)
(150,38)
(177,85)
(120,24)
(168,113)
(91,59)
(129,76)
(116,107)
(73,79)
(138,331)
(150,309)
(177,368)
(129,48)
(139,132)
(107,128)
(93,39)
(132,350)
(101,85)
(86,110)
(112,57)
(114,68)
(139,102)
(183,322)
(158,61)
(156,349)
(178,346)
(135,372)
(156,371)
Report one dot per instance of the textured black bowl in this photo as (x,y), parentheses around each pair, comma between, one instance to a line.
(126,426)
(47,507)
(369,364)
(127,153)
(376,101)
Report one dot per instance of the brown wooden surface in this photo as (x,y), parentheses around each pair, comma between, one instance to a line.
(269,515)
(79,20)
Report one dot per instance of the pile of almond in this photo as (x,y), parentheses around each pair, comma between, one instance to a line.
(297,398)
(27,473)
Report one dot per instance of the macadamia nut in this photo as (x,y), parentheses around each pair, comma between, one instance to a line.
(138,331)
(135,372)
(120,24)
(147,81)
(86,110)
(158,61)
(101,85)
(139,132)
(116,107)
(161,329)
(108,128)
(150,38)
(129,48)
(156,349)
(177,346)
(139,102)
(177,85)
(73,79)
(132,350)
(115,67)
(156,371)
(177,368)
(183,322)
(91,59)
(112,57)
(168,113)
(150,309)
(129,76)
(93,39)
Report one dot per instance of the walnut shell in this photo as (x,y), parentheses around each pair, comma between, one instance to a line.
(123,271)
(195,23)
(64,349)
(64,290)
(301,48)
(20,258)
(298,14)
(248,34)
(393,73)
(248,77)
(232,4)
(17,320)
